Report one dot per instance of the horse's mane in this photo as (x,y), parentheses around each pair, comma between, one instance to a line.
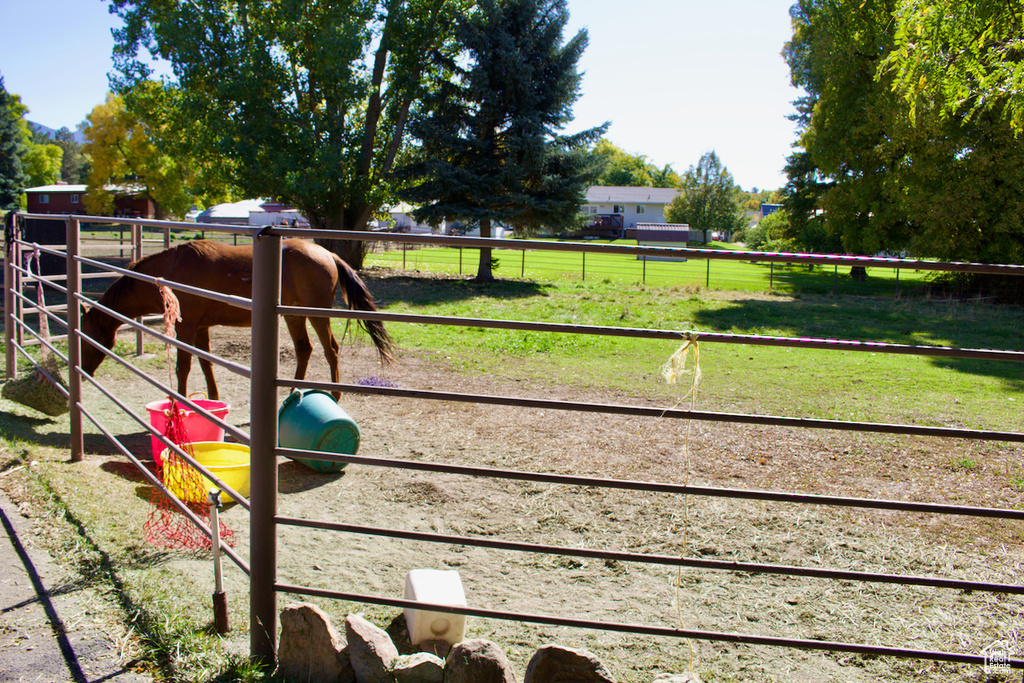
(125,285)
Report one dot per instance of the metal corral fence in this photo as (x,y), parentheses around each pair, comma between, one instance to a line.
(263,373)
(698,267)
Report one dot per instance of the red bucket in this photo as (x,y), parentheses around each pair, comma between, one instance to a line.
(197,426)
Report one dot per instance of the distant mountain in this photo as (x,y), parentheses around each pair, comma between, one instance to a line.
(51,133)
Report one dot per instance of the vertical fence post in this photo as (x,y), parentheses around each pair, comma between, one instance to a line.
(460,260)
(522,266)
(643,269)
(137,252)
(74,282)
(167,237)
(584,254)
(707,273)
(897,282)
(19,287)
(835,280)
(771,276)
(403,255)
(266,295)
(10,258)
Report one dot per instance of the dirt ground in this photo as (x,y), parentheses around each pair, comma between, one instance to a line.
(565,442)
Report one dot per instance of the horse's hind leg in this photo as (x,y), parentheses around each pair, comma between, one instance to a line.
(322,327)
(300,339)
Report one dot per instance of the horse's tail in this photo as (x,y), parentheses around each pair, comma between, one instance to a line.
(360,299)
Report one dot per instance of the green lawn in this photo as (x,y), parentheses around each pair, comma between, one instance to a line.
(706,273)
(736,378)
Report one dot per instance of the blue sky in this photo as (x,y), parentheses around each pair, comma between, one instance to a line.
(676,78)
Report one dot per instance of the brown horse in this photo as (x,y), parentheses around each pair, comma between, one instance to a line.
(310,275)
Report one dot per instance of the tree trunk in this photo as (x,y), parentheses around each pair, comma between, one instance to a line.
(483,272)
(353,252)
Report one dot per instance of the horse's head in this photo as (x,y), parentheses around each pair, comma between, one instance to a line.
(101,327)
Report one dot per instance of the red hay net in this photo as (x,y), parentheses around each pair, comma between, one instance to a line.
(166,525)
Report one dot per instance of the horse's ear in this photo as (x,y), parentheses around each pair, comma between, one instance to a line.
(83,309)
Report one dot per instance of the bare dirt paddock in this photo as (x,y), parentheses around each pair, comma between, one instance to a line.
(638,449)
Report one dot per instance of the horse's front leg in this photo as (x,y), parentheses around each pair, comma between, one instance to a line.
(300,340)
(183,366)
(201,340)
(203,344)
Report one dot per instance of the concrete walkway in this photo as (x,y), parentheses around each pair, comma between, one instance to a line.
(47,632)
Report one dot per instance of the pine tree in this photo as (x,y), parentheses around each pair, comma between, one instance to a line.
(12,148)
(74,166)
(490,149)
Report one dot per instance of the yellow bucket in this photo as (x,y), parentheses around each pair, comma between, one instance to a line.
(227,461)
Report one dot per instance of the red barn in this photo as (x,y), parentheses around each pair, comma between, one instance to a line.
(70,199)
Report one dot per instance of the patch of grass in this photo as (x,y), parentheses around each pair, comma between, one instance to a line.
(845,385)
(964,464)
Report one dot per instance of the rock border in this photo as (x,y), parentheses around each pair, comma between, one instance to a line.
(311,649)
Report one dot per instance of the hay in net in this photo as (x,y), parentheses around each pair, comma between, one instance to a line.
(166,525)
(42,389)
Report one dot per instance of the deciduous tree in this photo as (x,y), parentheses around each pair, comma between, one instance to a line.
(707,199)
(886,175)
(42,161)
(308,100)
(622,169)
(123,156)
(964,55)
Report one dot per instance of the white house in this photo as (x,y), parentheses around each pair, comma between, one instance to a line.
(624,207)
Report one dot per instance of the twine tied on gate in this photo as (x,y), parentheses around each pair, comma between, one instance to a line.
(676,365)
(172,315)
(672,371)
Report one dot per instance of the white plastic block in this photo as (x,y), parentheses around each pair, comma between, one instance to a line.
(437,587)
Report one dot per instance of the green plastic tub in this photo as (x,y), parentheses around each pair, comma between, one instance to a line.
(311,420)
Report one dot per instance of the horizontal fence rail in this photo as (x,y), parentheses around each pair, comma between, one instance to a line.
(660,487)
(667,335)
(642,629)
(664,560)
(676,413)
(684,252)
